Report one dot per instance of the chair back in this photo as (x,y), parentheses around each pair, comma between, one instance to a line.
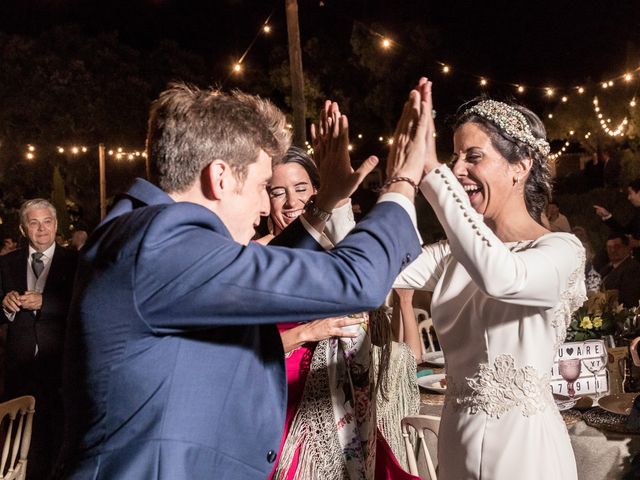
(425,322)
(420,423)
(16,436)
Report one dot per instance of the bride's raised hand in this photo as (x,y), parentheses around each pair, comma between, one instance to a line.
(426,98)
(406,161)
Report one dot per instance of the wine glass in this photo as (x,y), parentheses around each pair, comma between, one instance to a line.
(570,371)
(597,362)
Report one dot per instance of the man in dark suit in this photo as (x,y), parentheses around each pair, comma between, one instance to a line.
(622,273)
(174,369)
(36,283)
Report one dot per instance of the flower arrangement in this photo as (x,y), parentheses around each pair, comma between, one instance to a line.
(600,315)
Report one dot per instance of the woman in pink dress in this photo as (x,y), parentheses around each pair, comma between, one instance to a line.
(330,430)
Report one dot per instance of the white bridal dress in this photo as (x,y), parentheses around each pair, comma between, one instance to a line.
(500,312)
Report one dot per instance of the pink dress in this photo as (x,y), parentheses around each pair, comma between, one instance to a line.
(298,363)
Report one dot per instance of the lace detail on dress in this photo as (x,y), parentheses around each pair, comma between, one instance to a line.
(498,388)
(571,299)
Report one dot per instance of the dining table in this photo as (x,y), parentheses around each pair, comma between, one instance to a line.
(604,447)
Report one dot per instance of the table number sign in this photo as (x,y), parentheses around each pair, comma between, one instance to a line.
(589,354)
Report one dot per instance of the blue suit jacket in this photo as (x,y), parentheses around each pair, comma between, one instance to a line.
(174,369)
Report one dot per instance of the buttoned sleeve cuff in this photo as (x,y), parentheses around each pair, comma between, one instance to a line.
(10,316)
(405,203)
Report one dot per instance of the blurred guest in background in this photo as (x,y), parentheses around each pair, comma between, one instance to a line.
(632,228)
(78,239)
(554,220)
(622,273)
(8,245)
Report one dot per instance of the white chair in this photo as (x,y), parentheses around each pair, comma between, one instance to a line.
(425,323)
(17,439)
(420,423)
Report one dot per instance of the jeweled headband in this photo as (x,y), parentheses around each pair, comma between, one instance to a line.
(511,121)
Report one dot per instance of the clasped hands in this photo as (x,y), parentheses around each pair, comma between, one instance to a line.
(413,152)
(13,302)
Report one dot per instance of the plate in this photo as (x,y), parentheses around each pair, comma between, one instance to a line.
(432,382)
(434,358)
(563,402)
(619,403)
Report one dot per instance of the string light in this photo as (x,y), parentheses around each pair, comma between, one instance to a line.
(628,77)
(580,90)
(386,43)
(77,150)
(520,89)
(613,132)
(483,82)
(446,69)
(549,92)
(237,67)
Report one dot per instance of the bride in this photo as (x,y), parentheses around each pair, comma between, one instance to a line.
(503,288)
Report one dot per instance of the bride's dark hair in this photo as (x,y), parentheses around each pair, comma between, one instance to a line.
(537,188)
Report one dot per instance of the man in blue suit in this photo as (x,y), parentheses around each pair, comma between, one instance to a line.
(173,367)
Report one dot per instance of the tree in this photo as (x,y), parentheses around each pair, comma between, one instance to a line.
(65,86)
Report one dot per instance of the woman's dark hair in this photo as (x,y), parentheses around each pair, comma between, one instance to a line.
(537,189)
(302,158)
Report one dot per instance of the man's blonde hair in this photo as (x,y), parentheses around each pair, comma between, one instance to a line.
(190,127)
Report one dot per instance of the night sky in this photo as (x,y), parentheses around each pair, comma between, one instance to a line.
(543,43)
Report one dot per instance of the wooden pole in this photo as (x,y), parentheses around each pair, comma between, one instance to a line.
(103,181)
(297,78)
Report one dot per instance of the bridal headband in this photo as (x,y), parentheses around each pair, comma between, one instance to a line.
(510,121)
